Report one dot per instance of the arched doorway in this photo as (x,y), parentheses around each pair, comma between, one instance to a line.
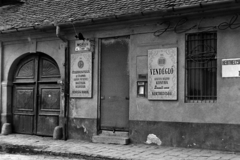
(36,95)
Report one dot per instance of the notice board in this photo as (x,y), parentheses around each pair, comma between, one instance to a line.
(81,75)
(162,74)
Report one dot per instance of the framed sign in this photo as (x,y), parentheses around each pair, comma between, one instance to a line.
(81,75)
(162,74)
(231,67)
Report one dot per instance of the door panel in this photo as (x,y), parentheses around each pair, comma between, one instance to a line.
(46,124)
(50,98)
(49,108)
(23,113)
(114,83)
(24,99)
(23,123)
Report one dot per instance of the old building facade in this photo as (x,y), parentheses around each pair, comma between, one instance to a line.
(168,68)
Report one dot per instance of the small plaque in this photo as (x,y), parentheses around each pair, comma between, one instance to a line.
(82,45)
(231,67)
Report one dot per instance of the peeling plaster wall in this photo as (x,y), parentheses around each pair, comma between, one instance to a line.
(82,128)
(85,107)
(82,122)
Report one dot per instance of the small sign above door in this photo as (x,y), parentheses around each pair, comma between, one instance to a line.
(82,45)
(231,67)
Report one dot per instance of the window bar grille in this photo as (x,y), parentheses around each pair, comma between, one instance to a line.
(204,70)
(208,70)
(201,67)
(202,86)
(211,70)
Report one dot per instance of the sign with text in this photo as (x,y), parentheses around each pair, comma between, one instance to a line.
(82,45)
(162,74)
(231,67)
(81,75)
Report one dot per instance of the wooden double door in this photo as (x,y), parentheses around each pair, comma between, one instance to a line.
(36,95)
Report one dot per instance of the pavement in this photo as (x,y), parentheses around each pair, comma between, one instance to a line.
(17,143)
(9,156)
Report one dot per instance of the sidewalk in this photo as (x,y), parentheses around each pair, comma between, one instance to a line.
(81,149)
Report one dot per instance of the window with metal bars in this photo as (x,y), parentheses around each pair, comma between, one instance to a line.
(201,67)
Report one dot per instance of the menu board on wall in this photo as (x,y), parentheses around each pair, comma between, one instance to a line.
(81,75)
(162,74)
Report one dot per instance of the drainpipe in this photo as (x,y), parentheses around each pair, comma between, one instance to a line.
(66,83)
(58,34)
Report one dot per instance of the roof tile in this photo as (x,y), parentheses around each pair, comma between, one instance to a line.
(34,12)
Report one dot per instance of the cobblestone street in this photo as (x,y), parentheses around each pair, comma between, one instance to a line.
(87,150)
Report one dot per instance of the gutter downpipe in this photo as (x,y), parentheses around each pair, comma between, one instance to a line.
(66,83)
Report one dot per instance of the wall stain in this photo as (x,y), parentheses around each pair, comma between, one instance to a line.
(81,128)
(190,135)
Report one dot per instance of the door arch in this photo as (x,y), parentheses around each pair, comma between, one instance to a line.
(36,95)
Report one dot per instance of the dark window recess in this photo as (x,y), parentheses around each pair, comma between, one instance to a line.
(201,67)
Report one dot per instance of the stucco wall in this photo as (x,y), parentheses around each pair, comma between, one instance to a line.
(12,51)
(18,49)
(225,110)
(85,107)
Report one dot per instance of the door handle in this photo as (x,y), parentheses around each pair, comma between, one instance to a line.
(127,98)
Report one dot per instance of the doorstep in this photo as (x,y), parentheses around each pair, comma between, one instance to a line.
(109,137)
